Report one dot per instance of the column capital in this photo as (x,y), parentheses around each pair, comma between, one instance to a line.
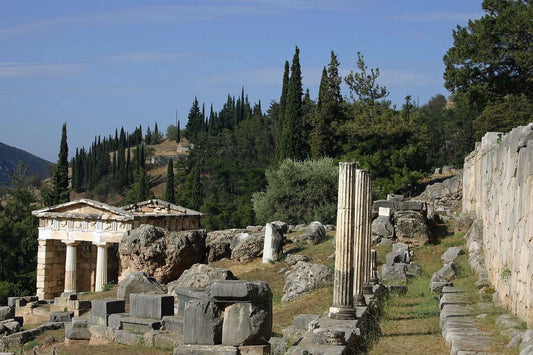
(102,244)
(71,243)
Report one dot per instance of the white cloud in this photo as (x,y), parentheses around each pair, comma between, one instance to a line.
(24,70)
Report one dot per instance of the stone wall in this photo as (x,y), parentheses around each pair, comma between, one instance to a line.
(498,189)
(50,282)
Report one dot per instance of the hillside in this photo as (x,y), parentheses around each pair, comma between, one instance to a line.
(9,158)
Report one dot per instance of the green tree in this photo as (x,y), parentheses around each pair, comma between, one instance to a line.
(141,188)
(491,58)
(169,187)
(60,191)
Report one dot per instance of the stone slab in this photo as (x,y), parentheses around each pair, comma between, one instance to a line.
(206,350)
(151,306)
(128,338)
(203,321)
(184,295)
(106,306)
(173,324)
(140,324)
(61,316)
(240,291)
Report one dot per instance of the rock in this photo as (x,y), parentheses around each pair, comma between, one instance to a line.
(397,257)
(411,227)
(238,239)
(218,250)
(382,228)
(302,321)
(386,241)
(315,233)
(443,198)
(138,282)
(413,270)
(273,244)
(304,278)
(226,235)
(395,274)
(451,254)
(293,259)
(253,229)
(247,324)
(400,248)
(200,276)
(7,312)
(240,291)
(508,321)
(125,337)
(330,228)
(282,227)
(160,253)
(463,222)
(527,341)
(278,345)
(9,326)
(249,249)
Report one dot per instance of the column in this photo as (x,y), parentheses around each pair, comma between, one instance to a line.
(41,269)
(361,229)
(342,307)
(374,270)
(101,267)
(70,267)
(367,235)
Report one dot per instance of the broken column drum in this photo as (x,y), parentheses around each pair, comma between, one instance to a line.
(343,307)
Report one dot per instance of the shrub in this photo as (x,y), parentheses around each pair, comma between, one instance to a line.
(299,192)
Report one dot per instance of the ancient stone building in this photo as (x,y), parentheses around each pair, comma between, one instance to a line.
(75,238)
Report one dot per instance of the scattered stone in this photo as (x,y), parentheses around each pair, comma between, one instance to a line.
(413,269)
(278,345)
(411,227)
(508,321)
(125,337)
(395,274)
(218,250)
(386,241)
(138,282)
(451,254)
(247,324)
(199,276)
(282,227)
(302,321)
(7,312)
(304,278)
(65,316)
(293,259)
(238,239)
(160,253)
(382,228)
(314,234)
(204,323)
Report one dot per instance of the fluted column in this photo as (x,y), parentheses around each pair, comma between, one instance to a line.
(362,192)
(367,234)
(374,269)
(343,307)
(101,267)
(70,267)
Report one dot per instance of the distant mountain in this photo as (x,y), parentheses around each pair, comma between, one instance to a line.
(9,158)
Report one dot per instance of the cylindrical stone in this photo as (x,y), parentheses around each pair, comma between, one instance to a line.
(342,307)
(70,267)
(362,195)
(101,267)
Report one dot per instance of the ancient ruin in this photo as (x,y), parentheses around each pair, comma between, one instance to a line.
(74,238)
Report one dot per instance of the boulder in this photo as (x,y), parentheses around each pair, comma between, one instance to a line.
(218,250)
(199,276)
(304,278)
(293,259)
(411,227)
(282,227)
(443,198)
(249,249)
(222,235)
(138,282)
(315,233)
(382,228)
(238,239)
(160,253)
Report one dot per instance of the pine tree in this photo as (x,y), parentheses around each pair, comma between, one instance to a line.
(169,188)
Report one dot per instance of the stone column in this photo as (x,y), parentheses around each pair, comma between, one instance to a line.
(41,269)
(70,267)
(367,234)
(101,267)
(362,193)
(342,307)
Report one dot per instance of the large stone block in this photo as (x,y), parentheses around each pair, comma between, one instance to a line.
(151,306)
(140,324)
(240,291)
(184,295)
(204,323)
(206,350)
(173,324)
(247,324)
(107,306)
(128,338)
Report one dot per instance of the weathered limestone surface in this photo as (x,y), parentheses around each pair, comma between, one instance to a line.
(498,189)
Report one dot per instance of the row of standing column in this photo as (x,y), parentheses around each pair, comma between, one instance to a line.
(353,240)
(71,262)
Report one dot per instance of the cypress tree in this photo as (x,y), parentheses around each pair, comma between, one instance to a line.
(281,113)
(318,140)
(169,188)
(60,190)
(292,135)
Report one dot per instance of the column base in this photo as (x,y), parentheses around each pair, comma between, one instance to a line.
(343,313)
(368,290)
(359,300)
(374,281)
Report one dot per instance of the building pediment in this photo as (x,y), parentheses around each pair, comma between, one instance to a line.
(85,209)
(157,207)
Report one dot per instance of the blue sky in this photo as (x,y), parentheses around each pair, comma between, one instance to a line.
(100,65)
